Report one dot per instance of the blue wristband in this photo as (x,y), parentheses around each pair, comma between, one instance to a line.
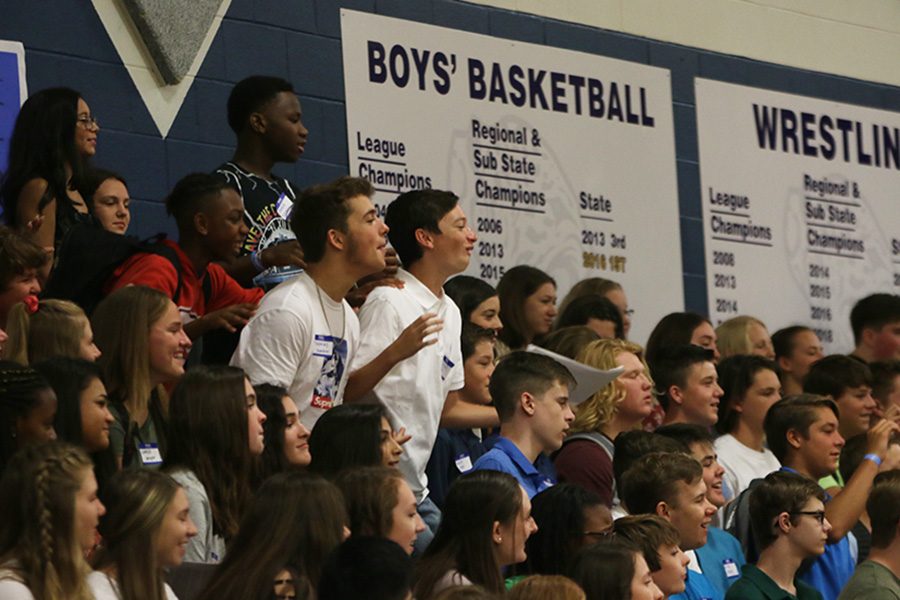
(256,261)
(874,458)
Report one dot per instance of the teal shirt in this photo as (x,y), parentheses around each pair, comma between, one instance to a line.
(756,585)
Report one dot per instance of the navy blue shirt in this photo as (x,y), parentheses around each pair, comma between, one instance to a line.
(455,452)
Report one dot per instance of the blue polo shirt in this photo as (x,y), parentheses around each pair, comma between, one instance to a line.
(506,457)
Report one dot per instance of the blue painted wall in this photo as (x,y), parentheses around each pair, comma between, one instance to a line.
(300,39)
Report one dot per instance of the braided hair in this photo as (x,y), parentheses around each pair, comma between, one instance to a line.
(20,389)
(37,499)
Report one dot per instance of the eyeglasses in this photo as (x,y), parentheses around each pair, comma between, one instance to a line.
(629,312)
(818,514)
(88,122)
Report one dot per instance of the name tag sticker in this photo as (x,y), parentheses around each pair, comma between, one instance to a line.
(150,454)
(463,463)
(731,569)
(446,365)
(284,206)
(323,345)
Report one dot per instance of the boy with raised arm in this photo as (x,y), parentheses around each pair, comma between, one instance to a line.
(432,237)
(305,335)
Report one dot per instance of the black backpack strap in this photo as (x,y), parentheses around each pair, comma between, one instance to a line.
(154,245)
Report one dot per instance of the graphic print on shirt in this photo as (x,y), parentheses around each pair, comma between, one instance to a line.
(334,350)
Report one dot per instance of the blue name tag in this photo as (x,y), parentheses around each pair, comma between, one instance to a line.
(150,454)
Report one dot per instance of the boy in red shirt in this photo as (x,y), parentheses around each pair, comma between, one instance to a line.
(210,218)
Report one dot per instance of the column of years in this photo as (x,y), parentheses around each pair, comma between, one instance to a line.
(595,240)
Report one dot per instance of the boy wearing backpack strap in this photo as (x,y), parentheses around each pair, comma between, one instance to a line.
(210,218)
(788,516)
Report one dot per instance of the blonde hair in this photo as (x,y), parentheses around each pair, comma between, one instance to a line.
(599,409)
(122,323)
(54,329)
(137,501)
(546,587)
(734,336)
(37,500)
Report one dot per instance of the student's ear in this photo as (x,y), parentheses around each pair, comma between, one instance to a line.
(783,522)
(675,394)
(526,401)
(201,223)
(424,238)
(257,123)
(495,533)
(662,510)
(794,438)
(784,362)
(336,239)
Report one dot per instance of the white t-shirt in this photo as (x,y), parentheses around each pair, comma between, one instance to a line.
(290,342)
(414,391)
(743,464)
(205,547)
(11,586)
(105,588)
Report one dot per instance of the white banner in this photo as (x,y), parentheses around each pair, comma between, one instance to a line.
(800,207)
(563,160)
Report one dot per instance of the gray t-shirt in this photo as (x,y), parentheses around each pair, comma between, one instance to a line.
(205,547)
(871,581)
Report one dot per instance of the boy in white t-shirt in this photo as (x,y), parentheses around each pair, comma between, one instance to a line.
(304,334)
(431,235)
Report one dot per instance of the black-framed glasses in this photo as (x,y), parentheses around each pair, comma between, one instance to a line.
(818,514)
(88,122)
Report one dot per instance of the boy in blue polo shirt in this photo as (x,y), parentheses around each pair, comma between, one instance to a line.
(531,395)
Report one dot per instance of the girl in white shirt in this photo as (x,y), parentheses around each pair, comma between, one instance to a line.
(145,531)
(48,499)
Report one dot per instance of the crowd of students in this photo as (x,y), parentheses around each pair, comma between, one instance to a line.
(298,399)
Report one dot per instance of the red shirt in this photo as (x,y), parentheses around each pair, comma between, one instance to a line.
(157,272)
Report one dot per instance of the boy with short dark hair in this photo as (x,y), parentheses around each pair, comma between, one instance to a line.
(431,234)
(788,518)
(879,577)
(305,335)
(531,394)
(876,327)
(670,485)
(630,446)
(20,263)
(802,432)
(265,115)
(659,542)
(721,558)
(209,215)
(688,384)
(849,383)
